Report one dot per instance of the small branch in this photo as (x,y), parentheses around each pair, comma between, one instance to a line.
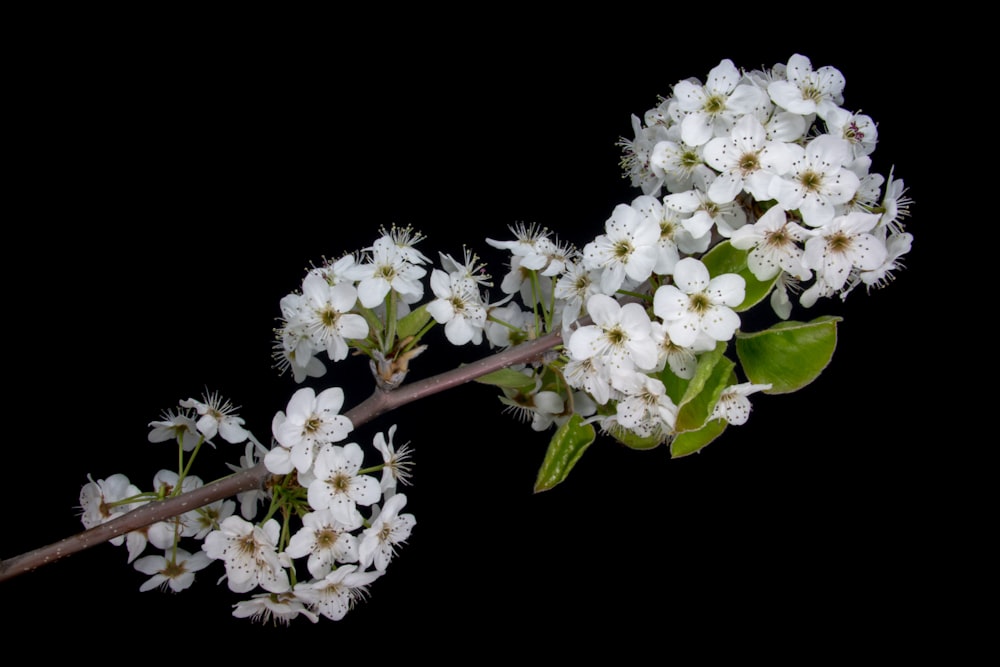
(377,404)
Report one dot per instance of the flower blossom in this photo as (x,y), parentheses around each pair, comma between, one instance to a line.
(697,303)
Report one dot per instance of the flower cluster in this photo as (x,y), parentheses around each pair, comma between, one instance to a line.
(756,187)
(322,507)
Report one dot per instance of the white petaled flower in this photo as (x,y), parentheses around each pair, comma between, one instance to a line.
(175,572)
(392,267)
(711,110)
(818,180)
(276,607)
(218,416)
(636,154)
(337,484)
(249,553)
(645,408)
(678,233)
(628,248)
(682,361)
(337,593)
(539,406)
(705,213)
(895,204)
(896,245)
(207,518)
(388,530)
(806,91)
(837,249)
(733,404)
(576,284)
(312,420)
(746,161)
(326,318)
(470,267)
(104,499)
(509,324)
(697,303)
(591,375)
(680,166)
(325,540)
(858,129)
(179,427)
(458,305)
(620,335)
(396,462)
(774,245)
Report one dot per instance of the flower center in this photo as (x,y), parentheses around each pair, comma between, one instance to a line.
(699,303)
(313,424)
(617,337)
(622,249)
(811,180)
(341,482)
(326,538)
(838,242)
(714,104)
(328,316)
(749,162)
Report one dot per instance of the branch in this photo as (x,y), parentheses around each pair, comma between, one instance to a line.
(377,404)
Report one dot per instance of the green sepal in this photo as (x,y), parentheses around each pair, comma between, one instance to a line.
(411,323)
(714,373)
(724,258)
(690,442)
(789,355)
(568,444)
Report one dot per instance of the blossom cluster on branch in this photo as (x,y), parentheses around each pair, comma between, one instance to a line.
(756,191)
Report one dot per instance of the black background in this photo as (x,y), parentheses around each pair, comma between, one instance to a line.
(170,186)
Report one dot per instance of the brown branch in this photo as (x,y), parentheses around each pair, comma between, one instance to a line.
(377,404)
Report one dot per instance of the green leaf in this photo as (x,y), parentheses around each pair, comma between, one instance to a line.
(412,322)
(724,258)
(713,374)
(508,378)
(690,442)
(789,355)
(567,446)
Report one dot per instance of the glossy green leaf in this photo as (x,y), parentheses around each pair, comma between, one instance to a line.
(789,355)
(635,441)
(713,374)
(690,442)
(724,258)
(508,378)
(411,323)
(568,444)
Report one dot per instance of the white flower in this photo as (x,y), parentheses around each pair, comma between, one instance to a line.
(249,553)
(179,427)
(805,91)
(646,409)
(338,592)
(636,154)
(392,267)
(207,518)
(165,534)
(705,213)
(337,484)
(325,317)
(858,129)
(592,375)
(276,607)
(838,248)
(628,248)
(620,335)
(576,284)
(773,242)
(683,361)
(311,421)
(697,303)
(711,110)
(396,462)
(470,268)
(105,499)
(388,530)
(325,540)
(175,572)
(817,180)
(680,166)
(733,404)
(217,417)
(458,306)
(746,160)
